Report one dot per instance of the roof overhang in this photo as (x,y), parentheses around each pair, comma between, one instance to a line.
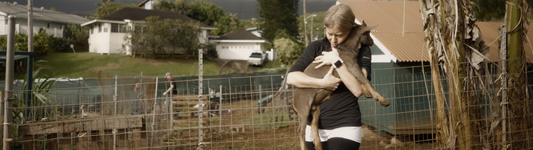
(99,20)
(208,28)
(240,41)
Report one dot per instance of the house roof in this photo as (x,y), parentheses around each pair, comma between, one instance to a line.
(142,3)
(410,47)
(141,14)
(490,33)
(21,11)
(240,34)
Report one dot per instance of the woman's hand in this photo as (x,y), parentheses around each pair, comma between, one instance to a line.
(327,58)
(330,82)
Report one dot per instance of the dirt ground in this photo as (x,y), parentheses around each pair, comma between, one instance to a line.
(236,131)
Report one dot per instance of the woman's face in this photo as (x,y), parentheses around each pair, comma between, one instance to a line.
(336,36)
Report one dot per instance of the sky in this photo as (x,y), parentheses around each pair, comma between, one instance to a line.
(245,9)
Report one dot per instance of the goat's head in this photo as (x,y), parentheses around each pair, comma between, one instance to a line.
(365,36)
(360,34)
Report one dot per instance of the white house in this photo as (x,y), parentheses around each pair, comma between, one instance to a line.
(52,21)
(257,32)
(239,44)
(147,4)
(107,33)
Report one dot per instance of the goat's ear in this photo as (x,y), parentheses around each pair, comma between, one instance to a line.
(364,24)
(368,28)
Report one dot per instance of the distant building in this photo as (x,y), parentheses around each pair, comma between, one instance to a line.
(107,33)
(147,4)
(52,21)
(257,32)
(239,44)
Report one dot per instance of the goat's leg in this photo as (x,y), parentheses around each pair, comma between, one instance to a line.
(366,84)
(366,91)
(382,101)
(314,127)
(302,119)
(302,110)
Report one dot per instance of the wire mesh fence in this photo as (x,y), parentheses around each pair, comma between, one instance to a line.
(239,112)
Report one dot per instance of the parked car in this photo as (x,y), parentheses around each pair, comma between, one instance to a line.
(256,59)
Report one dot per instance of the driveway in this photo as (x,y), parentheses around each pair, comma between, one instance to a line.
(235,66)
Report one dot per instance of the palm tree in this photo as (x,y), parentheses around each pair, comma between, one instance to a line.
(104,6)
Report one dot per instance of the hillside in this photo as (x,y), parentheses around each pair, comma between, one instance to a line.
(76,65)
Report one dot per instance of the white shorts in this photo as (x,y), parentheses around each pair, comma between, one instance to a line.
(351,133)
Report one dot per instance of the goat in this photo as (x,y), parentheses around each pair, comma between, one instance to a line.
(213,109)
(307,100)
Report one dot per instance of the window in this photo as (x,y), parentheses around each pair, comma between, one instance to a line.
(117,28)
(48,25)
(92,30)
(99,28)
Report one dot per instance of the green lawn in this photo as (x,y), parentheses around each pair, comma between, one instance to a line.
(76,65)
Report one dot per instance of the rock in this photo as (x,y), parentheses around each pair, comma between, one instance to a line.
(395,141)
(382,143)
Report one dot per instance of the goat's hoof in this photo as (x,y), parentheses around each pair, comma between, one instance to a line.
(383,102)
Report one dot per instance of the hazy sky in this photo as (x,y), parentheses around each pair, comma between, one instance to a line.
(245,9)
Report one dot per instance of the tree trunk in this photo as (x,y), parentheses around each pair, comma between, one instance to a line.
(517,101)
(448,28)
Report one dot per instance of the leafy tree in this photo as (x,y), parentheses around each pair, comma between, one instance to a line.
(164,5)
(104,7)
(76,35)
(250,23)
(276,15)
(182,7)
(108,6)
(491,10)
(205,12)
(160,36)
(287,48)
(226,24)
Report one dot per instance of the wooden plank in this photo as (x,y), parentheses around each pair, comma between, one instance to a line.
(52,141)
(187,97)
(80,125)
(137,138)
(185,103)
(28,143)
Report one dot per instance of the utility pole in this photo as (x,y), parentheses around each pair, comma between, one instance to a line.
(10,66)
(305,27)
(29,73)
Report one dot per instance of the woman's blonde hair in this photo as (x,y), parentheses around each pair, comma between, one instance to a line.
(339,16)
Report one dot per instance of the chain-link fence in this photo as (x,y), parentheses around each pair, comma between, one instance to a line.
(246,112)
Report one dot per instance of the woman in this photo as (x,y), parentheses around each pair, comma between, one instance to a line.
(340,116)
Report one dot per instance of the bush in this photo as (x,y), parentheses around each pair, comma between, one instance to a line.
(211,51)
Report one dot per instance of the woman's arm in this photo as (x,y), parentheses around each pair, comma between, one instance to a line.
(301,80)
(328,58)
(297,78)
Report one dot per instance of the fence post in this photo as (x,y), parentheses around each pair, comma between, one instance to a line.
(10,55)
(115,97)
(153,113)
(143,108)
(504,85)
(220,110)
(260,106)
(200,111)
